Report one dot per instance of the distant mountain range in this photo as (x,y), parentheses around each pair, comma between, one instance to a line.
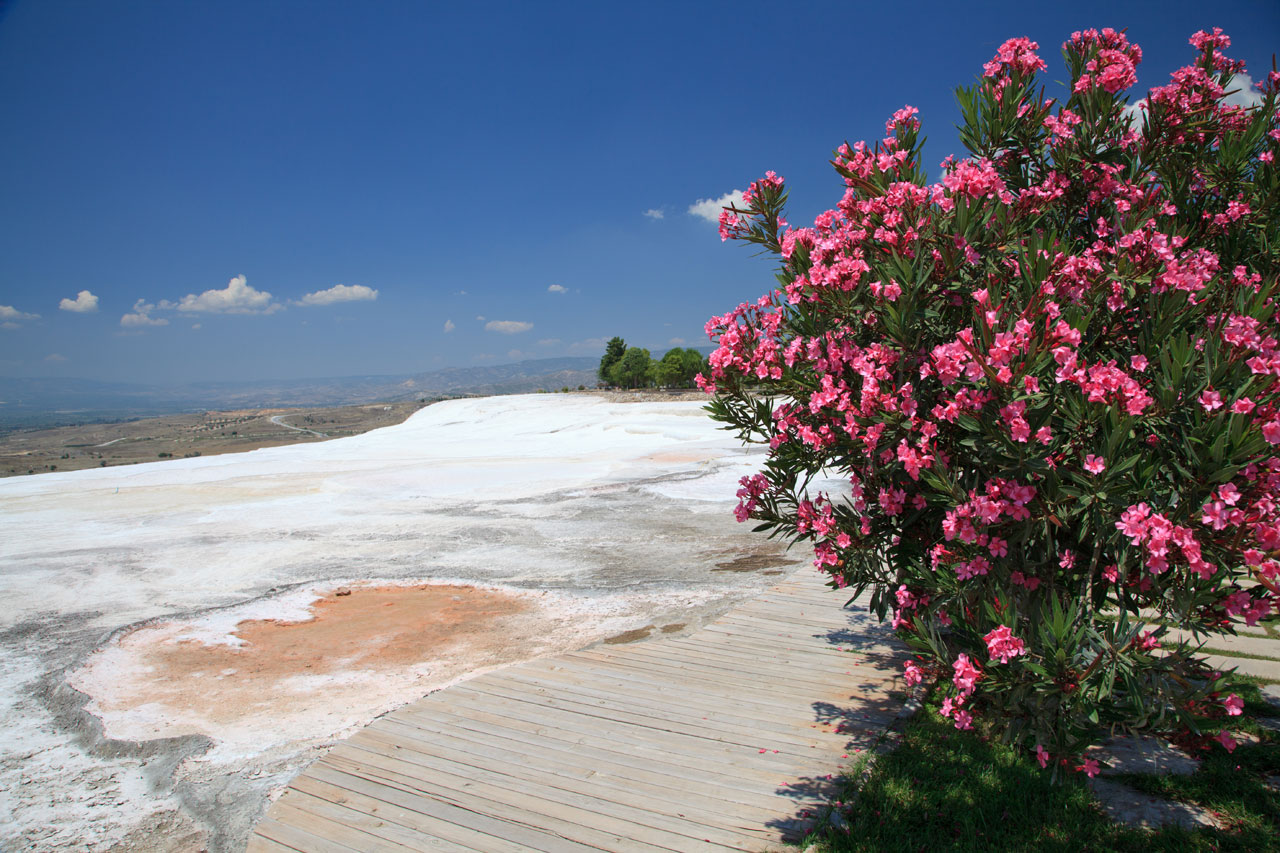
(27,403)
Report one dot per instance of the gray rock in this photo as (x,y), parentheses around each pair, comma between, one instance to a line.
(1133,808)
(1132,754)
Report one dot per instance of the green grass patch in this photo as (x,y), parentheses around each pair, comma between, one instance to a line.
(946,790)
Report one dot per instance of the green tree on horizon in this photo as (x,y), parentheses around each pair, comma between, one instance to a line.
(613,352)
(634,370)
(679,367)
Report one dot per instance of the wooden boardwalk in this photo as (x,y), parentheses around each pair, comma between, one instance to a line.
(723,740)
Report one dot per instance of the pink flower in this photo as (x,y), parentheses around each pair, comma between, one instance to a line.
(966,674)
(1271,432)
(1243,406)
(1019,579)
(1234,705)
(964,720)
(1090,767)
(1211,400)
(914,674)
(1228,742)
(1042,755)
(1138,363)
(1133,522)
(1094,464)
(1002,644)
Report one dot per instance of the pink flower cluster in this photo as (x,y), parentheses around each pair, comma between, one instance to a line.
(1015,56)
(753,488)
(1003,645)
(1000,499)
(1155,533)
(965,679)
(1113,60)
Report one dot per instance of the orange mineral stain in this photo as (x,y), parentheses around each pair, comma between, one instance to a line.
(365,648)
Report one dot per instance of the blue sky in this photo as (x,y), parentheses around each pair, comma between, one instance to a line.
(419,185)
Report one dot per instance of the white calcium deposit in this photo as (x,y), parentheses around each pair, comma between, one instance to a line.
(606,517)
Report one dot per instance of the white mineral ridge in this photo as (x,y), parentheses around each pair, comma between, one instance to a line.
(177,533)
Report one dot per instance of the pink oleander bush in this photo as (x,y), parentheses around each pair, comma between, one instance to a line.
(1033,408)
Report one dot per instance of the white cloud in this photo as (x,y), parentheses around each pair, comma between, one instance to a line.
(1134,113)
(238,297)
(12,318)
(556,288)
(676,342)
(655,213)
(55,358)
(448,326)
(516,355)
(508,327)
(84,303)
(589,345)
(709,208)
(337,293)
(479,318)
(1246,94)
(141,316)
(548,342)
(484,356)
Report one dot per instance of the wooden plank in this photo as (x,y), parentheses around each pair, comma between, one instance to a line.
(818,670)
(730,635)
(262,844)
(620,706)
(661,799)
(502,731)
(353,828)
(476,829)
(521,812)
(605,811)
(711,677)
(502,734)
(671,681)
(720,681)
(883,656)
(798,670)
(641,740)
(642,701)
(570,757)
(297,837)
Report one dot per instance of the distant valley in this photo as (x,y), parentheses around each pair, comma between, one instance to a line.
(42,403)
